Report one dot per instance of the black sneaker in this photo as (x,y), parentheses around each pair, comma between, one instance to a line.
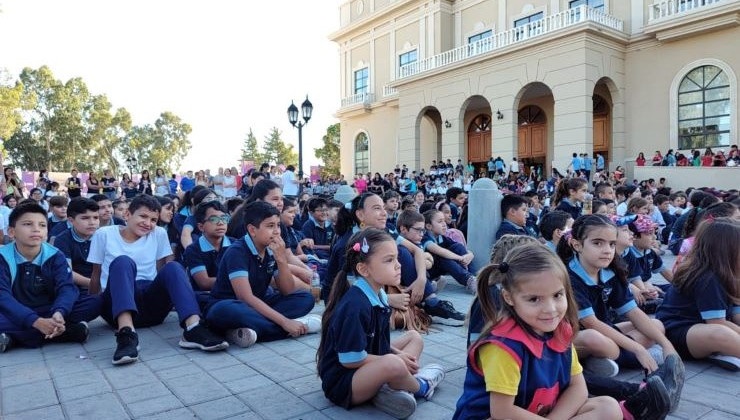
(5,342)
(651,402)
(201,338)
(444,313)
(672,373)
(651,305)
(127,349)
(73,333)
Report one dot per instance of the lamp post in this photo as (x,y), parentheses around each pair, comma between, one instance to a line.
(306,109)
(132,164)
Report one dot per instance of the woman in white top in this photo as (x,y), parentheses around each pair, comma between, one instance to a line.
(161,183)
(229,184)
(218,182)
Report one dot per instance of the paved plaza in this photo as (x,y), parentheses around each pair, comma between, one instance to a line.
(267,381)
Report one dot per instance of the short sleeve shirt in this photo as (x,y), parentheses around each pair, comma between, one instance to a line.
(202,256)
(75,249)
(649,262)
(597,298)
(242,259)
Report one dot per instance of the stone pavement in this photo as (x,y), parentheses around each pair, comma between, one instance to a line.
(267,381)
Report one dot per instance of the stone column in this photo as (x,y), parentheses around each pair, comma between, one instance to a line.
(484,218)
(573,122)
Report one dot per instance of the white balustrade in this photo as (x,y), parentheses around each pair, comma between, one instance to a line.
(670,8)
(389,91)
(358,98)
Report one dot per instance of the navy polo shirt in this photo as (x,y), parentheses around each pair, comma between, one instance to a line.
(441,240)
(75,249)
(339,250)
(704,300)
(56,228)
(241,259)
(648,262)
(507,227)
(202,256)
(570,208)
(596,299)
(634,272)
(359,327)
(321,235)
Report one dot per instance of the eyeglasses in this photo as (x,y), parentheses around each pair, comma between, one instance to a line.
(219,219)
(321,210)
(420,231)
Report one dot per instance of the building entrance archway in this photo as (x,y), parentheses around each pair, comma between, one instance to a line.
(532,139)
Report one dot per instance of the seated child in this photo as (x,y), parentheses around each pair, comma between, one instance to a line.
(570,195)
(38,299)
(599,207)
(700,310)
(411,227)
(390,203)
(83,214)
(119,208)
(129,191)
(58,218)
(107,218)
(713,211)
(514,209)
(318,227)
(526,361)
(140,283)
(600,283)
(450,257)
(553,226)
(357,361)
(202,257)
(255,296)
(647,261)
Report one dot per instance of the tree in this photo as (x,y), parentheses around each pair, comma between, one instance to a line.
(10,106)
(250,150)
(162,145)
(275,149)
(329,152)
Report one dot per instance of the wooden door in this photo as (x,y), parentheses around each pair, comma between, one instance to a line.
(474,147)
(523,149)
(601,133)
(538,139)
(486,145)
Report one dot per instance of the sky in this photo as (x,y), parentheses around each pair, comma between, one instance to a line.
(222,66)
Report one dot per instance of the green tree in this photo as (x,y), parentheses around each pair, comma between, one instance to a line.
(250,149)
(10,106)
(329,152)
(162,145)
(275,149)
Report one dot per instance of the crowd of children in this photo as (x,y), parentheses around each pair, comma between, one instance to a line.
(563,305)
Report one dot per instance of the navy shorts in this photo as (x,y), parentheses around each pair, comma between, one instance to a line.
(340,390)
(677,337)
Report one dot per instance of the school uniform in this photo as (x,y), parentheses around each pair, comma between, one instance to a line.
(509,228)
(75,250)
(360,326)
(38,288)
(513,361)
(131,282)
(705,300)
(56,226)
(596,298)
(117,221)
(321,235)
(634,271)
(648,262)
(178,220)
(443,265)
(225,311)
(201,256)
(191,223)
(569,207)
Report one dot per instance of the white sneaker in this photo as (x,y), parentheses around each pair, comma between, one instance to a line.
(439,284)
(395,403)
(472,285)
(601,366)
(726,362)
(242,337)
(312,322)
(433,374)
(656,352)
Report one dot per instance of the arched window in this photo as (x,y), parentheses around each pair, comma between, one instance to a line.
(704,108)
(362,153)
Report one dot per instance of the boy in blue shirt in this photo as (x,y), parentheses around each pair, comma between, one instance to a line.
(105,211)
(318,227)
(140,283)
(514,209)
(411,227)
(58,218)
(83,214)
(255,295)
(202,257)
(553,226)
(38,300)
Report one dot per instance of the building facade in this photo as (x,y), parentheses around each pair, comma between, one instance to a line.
(424,80)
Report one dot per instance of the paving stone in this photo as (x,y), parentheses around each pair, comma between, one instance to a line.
(20,356)
(104,406)
(27,377)
(177,414)
(154,405)
(143,392)
(282,369)
(719,415)
(316,400)
(66,364)
(126,376)
(218,409)
(35,366)
(689,410)
(247,384)
(169,362)
(196,389)
(304,385)
(721,402)
(246,416)
(428,410)
(84,390)
(28,396)
(53,412)
(187,369)
(274,402)
(314,415)
(365,411)
(212,361)
(232,373)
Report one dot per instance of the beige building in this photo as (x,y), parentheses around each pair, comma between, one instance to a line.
(424,80)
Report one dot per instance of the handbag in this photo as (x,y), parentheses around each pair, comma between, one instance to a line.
(413,318)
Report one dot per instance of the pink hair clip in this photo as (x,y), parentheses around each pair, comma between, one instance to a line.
(356,247)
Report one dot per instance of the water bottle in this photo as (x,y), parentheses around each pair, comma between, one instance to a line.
(315,283)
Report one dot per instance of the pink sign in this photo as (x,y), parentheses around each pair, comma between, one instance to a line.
(315,173)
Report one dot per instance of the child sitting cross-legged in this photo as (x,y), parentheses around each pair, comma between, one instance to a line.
(255,296)
(357,361)
(450,257)
(140,283)
(83,214)
(515,211)
(524,364)
(39,302)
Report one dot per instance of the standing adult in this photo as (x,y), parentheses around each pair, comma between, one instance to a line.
(187,182)
(93,184)
(600,164)
(290,184)
(218,182)
(640,161)
(145,183)
(228,183)
(109,184)
(161,183)
(73,185)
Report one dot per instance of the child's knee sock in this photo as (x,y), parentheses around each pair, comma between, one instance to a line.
(423,388)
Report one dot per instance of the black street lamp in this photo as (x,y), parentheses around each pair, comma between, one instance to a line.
(132,164)
(306,109)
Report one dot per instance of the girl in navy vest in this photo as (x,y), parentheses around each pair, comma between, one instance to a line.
(525,361)
(357,361)
(701,310)
(570,195)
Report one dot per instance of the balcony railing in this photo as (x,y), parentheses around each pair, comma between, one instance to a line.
(389,91)
(358,98)
(549,24)
(672,8)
